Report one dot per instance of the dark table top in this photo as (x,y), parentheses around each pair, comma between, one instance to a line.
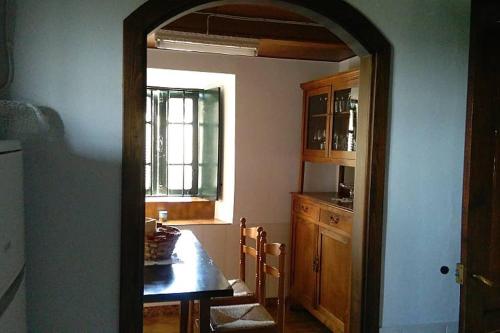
(195,276)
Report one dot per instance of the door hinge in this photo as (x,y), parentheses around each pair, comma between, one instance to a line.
(459,273)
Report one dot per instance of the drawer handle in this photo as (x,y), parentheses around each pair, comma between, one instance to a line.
(305,209)
(334,219)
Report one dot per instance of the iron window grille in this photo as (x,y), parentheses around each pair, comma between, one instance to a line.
(182,142)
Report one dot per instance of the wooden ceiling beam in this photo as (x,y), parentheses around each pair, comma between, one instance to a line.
(269,12)
(285,49)
(224,26)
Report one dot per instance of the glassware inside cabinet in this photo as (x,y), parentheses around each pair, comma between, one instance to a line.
(345,114)
(317,116)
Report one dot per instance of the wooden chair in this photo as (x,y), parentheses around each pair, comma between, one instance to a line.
(242,293)
(254,318)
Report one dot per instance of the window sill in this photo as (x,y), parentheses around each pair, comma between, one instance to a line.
(197,222)
(181,209)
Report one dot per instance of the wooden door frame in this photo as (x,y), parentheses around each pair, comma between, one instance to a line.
(361,36)
(478,166)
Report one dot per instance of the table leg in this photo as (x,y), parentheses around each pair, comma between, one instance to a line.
(191,313)
(205,315)
(184,322)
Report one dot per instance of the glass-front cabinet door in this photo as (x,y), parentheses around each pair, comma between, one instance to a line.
(317,124)
(344,124)
(329,132)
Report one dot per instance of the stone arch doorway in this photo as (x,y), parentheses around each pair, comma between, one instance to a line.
(375,51)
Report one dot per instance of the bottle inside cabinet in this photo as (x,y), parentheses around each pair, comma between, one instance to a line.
(345,115)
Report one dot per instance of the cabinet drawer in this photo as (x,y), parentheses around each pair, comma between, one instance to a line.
(336,218)
(306,208)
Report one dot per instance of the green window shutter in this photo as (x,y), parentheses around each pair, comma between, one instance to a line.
(209,144)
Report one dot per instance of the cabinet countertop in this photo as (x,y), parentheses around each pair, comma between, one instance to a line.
(327,198)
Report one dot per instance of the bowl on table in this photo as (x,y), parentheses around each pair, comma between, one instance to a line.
(161,244)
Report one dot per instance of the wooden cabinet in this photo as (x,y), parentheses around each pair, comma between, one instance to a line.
(329,119)
(334,278)
(321,261)
(322,222)
(304,253)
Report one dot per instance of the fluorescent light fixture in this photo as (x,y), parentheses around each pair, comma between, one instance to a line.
(206,48)
(194,42)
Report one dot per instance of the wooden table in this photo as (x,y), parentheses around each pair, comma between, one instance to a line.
(194,277)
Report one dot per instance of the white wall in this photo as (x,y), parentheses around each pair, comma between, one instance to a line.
(268,109)
(268,125)
(68,57)
(349,64)
(321,177)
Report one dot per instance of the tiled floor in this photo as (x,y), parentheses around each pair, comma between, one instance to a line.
(161,324)
(296,322)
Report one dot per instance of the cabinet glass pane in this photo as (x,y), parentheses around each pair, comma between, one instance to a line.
(345,115)
(316,122)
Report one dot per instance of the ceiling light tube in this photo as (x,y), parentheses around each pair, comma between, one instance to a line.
(194,42)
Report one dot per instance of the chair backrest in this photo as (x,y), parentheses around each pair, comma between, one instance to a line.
(277,250)
(252,233)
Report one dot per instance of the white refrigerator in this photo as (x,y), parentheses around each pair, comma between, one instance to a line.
(12,282)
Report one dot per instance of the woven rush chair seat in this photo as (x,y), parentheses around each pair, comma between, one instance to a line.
(240,317)
(253,317)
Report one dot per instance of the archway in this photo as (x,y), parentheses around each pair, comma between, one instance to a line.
(365,40)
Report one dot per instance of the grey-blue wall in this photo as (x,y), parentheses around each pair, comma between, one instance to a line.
(4,62)
(68,57)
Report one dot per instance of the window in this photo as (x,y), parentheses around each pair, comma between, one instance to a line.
(183,142)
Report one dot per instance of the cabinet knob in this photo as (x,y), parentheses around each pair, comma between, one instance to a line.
(305,208)
(334,219)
